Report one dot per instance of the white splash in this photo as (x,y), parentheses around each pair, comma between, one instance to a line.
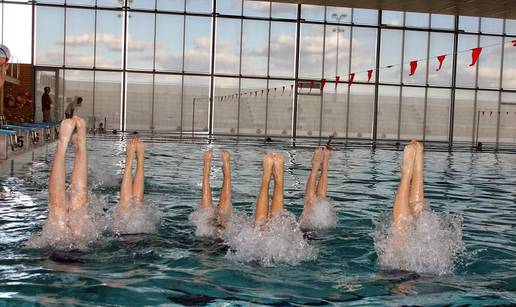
(432,244)
(321,215)
(204,221)
(137,218)
(76,229)
(280,240)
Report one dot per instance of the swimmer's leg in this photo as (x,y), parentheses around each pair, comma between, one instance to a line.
(277,196)
(311,183)
(126,188)
(322,185)
(225,195)
(139,178)
(56,183)
(401,210)
(417,194)
(262,204)
(79,195)
(207,198)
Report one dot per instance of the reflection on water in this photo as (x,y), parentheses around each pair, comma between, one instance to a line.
(173,265)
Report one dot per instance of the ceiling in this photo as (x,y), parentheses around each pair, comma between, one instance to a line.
(483,8)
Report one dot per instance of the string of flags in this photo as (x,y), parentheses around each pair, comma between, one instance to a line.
(475,55)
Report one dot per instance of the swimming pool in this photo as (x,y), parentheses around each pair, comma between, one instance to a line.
(174,266)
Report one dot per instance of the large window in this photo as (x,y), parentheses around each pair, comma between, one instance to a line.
(235,67)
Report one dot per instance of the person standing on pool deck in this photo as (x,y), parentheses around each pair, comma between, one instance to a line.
(315,192)
(70,109)
(59,205)
(409,201)
(131,189)
(5,55)
(46,104)
(273,167)
(225,206)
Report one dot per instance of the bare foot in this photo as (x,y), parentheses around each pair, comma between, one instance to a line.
(268,163)
(409,155)
(419,163)
(317,158)
(130,148)
(139,147)
(208,155)
(279,166)
(226,162)
(66,129)
(326,159)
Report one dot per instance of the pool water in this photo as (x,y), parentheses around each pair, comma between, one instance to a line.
(173,266)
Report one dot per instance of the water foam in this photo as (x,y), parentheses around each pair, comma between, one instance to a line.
(280,240)
(137,218)
(433,243)
(204,221)
(321,215)
(76,229)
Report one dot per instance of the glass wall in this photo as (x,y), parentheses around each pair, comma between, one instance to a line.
(242,67)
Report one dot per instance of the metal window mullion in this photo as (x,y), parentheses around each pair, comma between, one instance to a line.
(475,103)
(296,73)
(32,58)
(348,97)
(451,114)
(154,67)
(322,76)
(212,67)
(268,75)
(401,77)
(500,84)
(183,73)
(426,78)
(240,68)
(376,83)
(123,105)
(95,64)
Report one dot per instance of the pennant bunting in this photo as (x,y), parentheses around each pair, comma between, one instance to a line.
(475,53)
(323,83)
(291,89)
(300,85)
(413,67)
(283,91)
(351,78)
(312,83)
(369,75)
(262,93)
(337,78)
(441,60)
(514,43)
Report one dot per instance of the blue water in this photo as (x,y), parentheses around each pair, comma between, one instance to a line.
(175,267)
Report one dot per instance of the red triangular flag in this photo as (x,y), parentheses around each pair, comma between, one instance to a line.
(514,43)
(475,53)
(337,78)
(441,60)
(283,91)
(312,83)
(369,75)
(300,84)
(291,88)
(323,83)
(351,78)
(413,67)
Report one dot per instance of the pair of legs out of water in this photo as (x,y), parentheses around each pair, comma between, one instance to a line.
(273,170)
(131,189)
(409,201)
